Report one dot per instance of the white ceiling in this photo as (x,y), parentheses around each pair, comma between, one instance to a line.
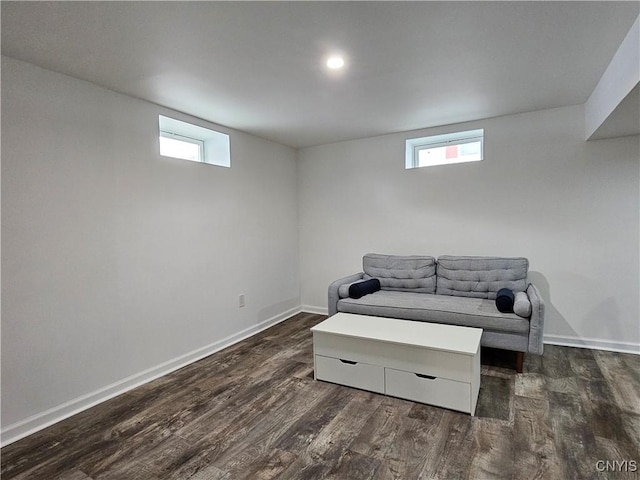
(258,66)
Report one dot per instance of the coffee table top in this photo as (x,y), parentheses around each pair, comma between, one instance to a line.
(435,336)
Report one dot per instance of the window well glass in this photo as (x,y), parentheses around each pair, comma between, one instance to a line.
(191,142)
(177,146)
(445,149)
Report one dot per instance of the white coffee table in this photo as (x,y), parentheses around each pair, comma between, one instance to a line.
(424,362)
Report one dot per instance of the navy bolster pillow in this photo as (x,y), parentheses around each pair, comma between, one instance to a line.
(504,300)
(360,289)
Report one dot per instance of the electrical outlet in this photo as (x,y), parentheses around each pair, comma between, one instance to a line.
(241,300)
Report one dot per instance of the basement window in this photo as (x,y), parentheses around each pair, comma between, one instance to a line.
(458,147)
(179,146)
(190,142)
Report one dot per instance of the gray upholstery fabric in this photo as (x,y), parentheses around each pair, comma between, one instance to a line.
(517,342)
(334,288)
(457,307)
(536,322)
(480,277)
(470,312)
(522,305)
(401,273)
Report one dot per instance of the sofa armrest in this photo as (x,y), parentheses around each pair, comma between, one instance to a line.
(536,322)
(335,286)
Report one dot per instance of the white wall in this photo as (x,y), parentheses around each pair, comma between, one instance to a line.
(619,79)
(118,264)
(542,192)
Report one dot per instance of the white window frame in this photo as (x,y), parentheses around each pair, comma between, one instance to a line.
(214,147)
(413,146)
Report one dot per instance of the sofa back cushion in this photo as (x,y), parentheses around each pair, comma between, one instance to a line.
(401,273)
(480,277)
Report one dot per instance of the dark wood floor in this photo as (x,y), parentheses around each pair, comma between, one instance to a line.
(253,411)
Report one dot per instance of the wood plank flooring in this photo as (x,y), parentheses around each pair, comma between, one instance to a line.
(253,411)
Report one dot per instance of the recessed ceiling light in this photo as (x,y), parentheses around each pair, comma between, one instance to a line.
(335,62)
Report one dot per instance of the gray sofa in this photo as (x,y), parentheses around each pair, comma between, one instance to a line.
(451,290)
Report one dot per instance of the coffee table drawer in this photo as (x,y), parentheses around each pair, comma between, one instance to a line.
(349,373)
(441,392)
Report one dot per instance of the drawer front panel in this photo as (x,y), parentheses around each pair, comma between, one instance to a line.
(350,373)
(400,357)
(436,391)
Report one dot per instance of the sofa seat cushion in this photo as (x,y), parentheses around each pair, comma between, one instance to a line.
(464,311)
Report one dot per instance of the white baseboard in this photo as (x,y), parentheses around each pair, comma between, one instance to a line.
(316,310)
(593,344)
(56,414)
